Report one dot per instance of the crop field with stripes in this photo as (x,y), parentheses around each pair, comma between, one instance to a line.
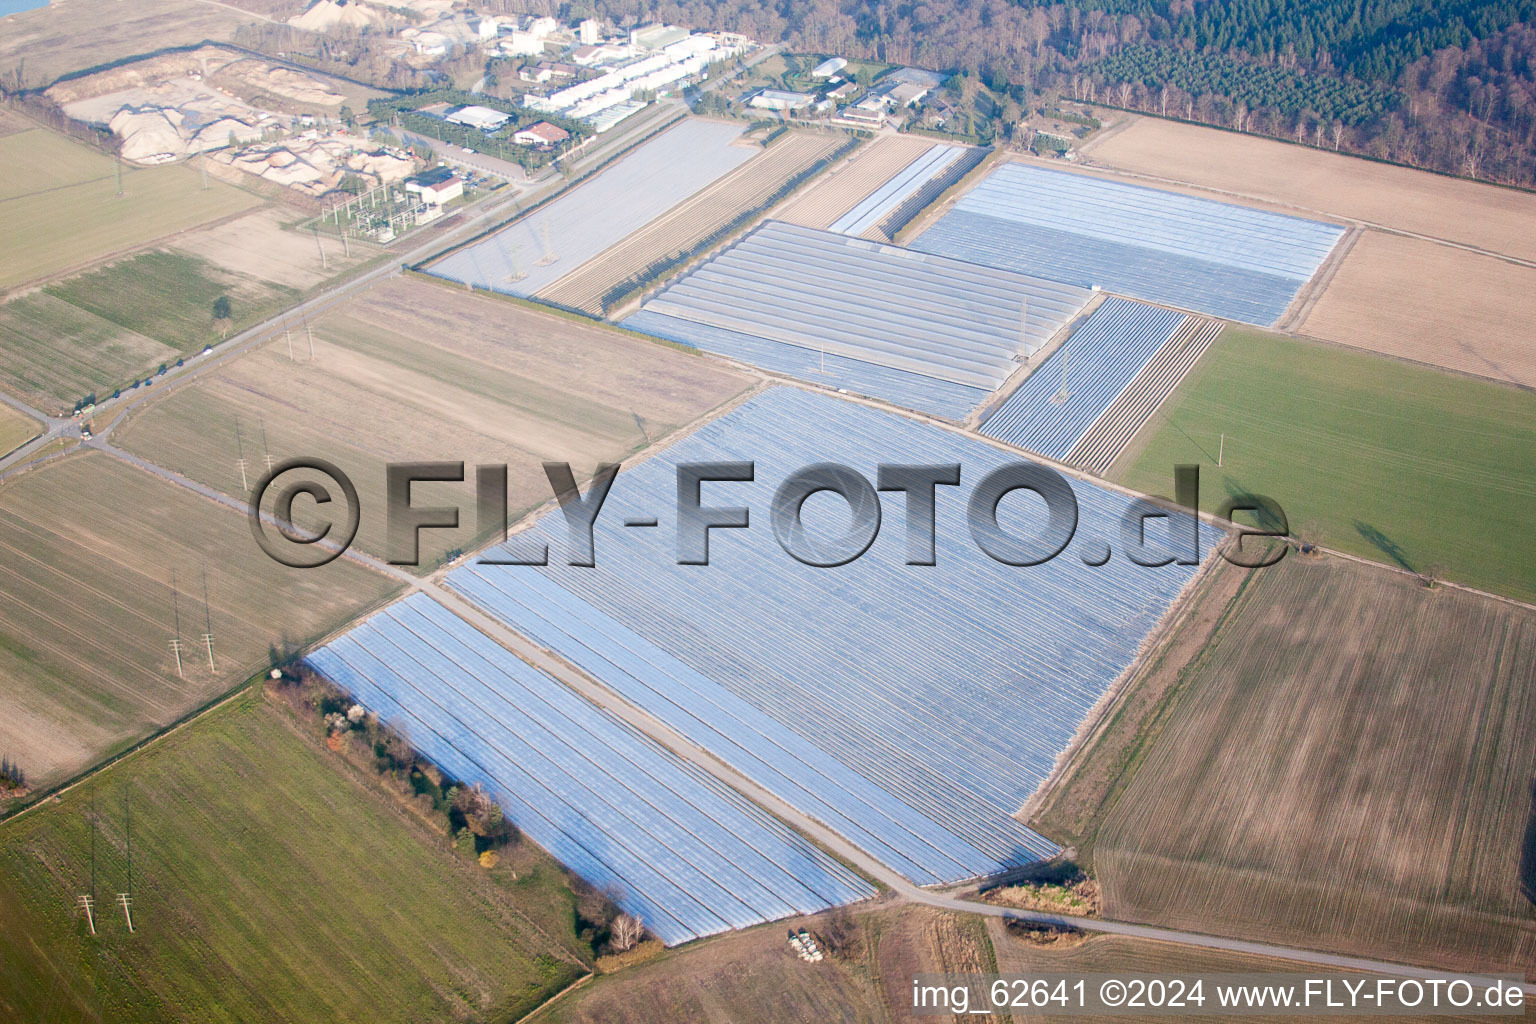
(872,216)
(485,379)
(854,180)
(676,232)
(1391,730)
(926,332)
(911,715)
(1085,401)
(103,566)
(534,252)
(1210,257)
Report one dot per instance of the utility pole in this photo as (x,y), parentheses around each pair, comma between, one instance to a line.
(176,645)
(125,899)
(1221,449)
(311,335)
(289,338)
(240,451)
(208,622)
(321,248)
(267,452)
(86,903)
(117,168)
(126,902)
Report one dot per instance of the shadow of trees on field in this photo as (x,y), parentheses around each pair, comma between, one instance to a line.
(1386,545)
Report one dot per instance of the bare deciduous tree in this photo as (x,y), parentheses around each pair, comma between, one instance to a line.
(626,933)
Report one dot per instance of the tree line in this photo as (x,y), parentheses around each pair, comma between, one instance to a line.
(1445,86)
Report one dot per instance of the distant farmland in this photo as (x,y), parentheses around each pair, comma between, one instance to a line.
(60,206)
(1347,766)
(1395,462)
(416,370)
(270,883)
(1486,216)
(534,252)
(1432,303)
(89,553)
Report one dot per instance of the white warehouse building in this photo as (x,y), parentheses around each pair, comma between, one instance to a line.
(778,99)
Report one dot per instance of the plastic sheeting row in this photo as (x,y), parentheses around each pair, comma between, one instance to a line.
(676,848)
(873,208)
(1061,399)
(533,253)
(912,708)
(1198,254)
(925,317)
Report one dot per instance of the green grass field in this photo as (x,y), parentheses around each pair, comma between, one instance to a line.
(168,295)
(52,353)
(1395,462)
(59,205)
(106,328)
(270,883)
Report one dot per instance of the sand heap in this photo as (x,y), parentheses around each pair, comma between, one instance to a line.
(315,164)
(330,15)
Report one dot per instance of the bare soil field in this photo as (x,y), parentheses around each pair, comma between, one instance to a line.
(418,371)
(16,429)
(919,940)
(1432,303)
(1485,216)
(751,975)
(836,192)
(73,35)
(60,206)
(259,246)
(1121,956)
(678,230)
(1347,765)
(101,566)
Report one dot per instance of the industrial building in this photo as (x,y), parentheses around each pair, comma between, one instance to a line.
(483,118)
(829,67)
(778,99)
(437,186)
(543,134)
